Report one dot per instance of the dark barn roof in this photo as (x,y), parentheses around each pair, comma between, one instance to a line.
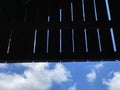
(59,30)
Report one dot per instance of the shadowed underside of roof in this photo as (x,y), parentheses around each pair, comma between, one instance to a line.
(59,30)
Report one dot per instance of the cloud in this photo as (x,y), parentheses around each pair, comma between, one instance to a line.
(36,76)
(92,75)
(114,82)
(98,66)
(73,87)
(3,65)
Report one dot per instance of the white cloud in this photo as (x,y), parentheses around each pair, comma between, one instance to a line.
(98,66)
(60,74)
(73,87)
(91,76)
(114,82)
(3,65)
(37,76)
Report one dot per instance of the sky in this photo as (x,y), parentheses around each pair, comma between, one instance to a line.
(60,76)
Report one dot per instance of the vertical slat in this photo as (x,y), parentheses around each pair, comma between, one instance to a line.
(106,42)
(54,10)
(67,43)
(89,10)
(3,17)
(12,9)
(54,44)
(114,10)
(37,12)
(66,11)
(77,10)
(92,42)
(80,49)
(19,12)
(42,14)
(41,43)
(25,15)
(4,40)
(31,15)
(101,10)
(22,44)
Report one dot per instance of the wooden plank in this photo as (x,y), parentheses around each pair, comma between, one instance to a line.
(22,44)
(89,11)
(101,10)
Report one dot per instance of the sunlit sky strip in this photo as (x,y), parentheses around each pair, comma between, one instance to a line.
(48,18)
(35,36)
(113,40)
(73,42)
(99,40)
(86,43)
(85,33)
(95,10)
(108,10)
(98,33)
(60,41)
(47,47)
(48,34)
(83,10)
(111,29)
(71,11)
(9,43)
(60,15)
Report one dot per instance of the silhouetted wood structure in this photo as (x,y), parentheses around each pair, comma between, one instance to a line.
(59,30)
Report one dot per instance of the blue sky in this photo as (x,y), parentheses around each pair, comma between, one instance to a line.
(60,76)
